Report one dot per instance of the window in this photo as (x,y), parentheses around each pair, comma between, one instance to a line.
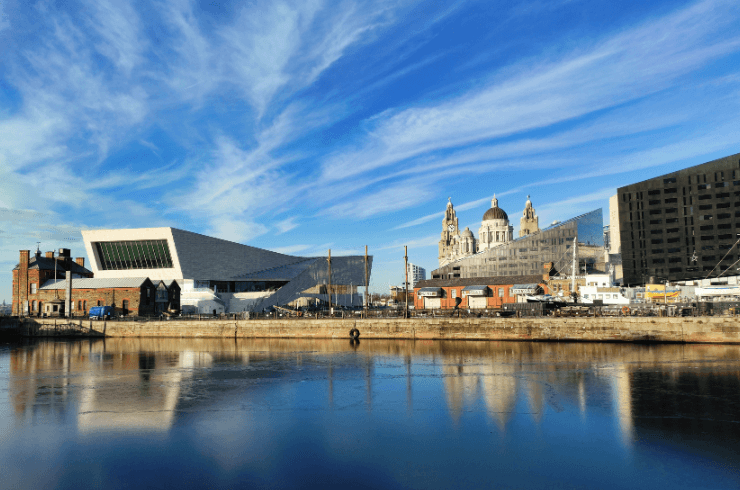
(671,210)
(722,195)
(655,211)
(672,190)
(84,305)
(723,216)
(500,292)
(671,200)
(33,288)
(701,187)
(704,197)
(669,180)
(708,257)
(725,237)
(706,227)
(99,303)
(656,232)
(656,221)
(658,261)
(124,306)
(707,247)
(674,260)
(672,230)
(671,220)
(653,202)
(723,205)
(134,254)
(724,226)
(33,308)
(674,269)
(657,251)
(656,241)
(704,207)
(654,192)
(454,293)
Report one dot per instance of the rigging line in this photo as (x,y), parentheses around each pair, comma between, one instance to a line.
(730,267)
(723,258)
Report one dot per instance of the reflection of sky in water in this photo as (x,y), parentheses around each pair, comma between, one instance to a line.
(288,413)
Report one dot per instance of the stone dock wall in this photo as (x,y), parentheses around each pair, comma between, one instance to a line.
(604,329)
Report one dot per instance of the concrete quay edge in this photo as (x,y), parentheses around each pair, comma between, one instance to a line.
(605,329)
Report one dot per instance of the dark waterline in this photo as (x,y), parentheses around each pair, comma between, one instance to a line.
(120,413)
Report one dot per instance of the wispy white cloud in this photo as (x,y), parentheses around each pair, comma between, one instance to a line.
(286,225)
(626,66)
(427,241)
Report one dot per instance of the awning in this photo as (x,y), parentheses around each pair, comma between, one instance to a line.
(524,289)
(475,291)
(430,292)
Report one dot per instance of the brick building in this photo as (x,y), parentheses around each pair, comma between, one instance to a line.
(33,271)
(478,292)
(128,296)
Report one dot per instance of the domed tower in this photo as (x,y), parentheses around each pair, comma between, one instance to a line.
(468,243)
(495,229)
(529,223)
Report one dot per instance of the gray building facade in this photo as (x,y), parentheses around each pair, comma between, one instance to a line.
(682,225)
(527,255)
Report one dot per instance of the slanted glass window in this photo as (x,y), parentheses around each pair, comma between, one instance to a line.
(134,254)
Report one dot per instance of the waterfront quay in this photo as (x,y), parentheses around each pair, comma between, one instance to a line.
(601,329)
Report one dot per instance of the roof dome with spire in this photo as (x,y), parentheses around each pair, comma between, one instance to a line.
(495,212)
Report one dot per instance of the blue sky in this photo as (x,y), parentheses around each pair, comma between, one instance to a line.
(304,126)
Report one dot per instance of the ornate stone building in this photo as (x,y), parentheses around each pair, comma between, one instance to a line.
(529,223)
(495,229)
(453,244)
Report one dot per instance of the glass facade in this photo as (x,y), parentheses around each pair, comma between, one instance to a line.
(136,254)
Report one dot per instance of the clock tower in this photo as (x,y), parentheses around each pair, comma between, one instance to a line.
(449,243)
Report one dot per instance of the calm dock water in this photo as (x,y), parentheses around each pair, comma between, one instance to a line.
(120,413)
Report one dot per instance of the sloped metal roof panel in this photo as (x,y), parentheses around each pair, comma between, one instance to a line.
(97,283)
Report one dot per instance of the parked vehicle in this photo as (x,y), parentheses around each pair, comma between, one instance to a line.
(101,312)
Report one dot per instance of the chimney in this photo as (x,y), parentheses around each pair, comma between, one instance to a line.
(50,255)
(80,261)
(21,292)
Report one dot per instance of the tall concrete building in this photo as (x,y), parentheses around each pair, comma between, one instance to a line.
(682,225)
(415,274)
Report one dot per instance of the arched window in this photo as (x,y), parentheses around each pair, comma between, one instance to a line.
(100,303)
(79,305)
(33,308)
(84,305)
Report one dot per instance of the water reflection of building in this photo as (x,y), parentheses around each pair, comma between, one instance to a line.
(142,384)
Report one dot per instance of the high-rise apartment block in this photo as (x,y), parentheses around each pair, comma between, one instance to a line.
(416,274)
(683,225)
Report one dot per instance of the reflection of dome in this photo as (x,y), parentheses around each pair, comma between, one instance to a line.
(495,212)
(467,233)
